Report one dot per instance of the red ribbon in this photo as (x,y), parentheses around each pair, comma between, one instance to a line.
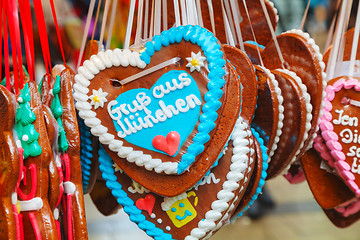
(43,35)
(57,30)
(26,23)
(6,50)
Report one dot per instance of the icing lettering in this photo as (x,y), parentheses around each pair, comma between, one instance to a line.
(160,91)
(345,120)
(124,113)
(349,136)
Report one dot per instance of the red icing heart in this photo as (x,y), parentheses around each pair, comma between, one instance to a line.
(168,144)
(146,203)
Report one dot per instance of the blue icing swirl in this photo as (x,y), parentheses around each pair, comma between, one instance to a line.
(135,214)
(212,51)
(263,173)
(85,153)
(256,44)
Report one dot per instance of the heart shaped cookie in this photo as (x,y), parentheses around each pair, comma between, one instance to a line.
(180,88)
(246,71)
(302,56)
(194,213)
(339,128)
(268,119)
(297,118)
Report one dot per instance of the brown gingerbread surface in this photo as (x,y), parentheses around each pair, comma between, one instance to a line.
(328,189)
(294,124)
(246,71)
(300,57)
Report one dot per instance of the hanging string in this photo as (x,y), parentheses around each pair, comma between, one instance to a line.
(6,49)
(253,32)
(305,15)
(139,21)
(16,25)
(177,13)
(230,17)
(96,20)
(236,14)
(229,36)
(157,17)
(43,35)
(354,46)
(190,12)
(57,30)
(112,22)
(103,24)
(1,41)
(211,13)
(184,17)
(340,56)
(86,32)
(164,13)
(26,23)
(146,20)
(13,47)
(282,61)
(151,30)
(129,24)
(335,49)
(198,8)
(332,26)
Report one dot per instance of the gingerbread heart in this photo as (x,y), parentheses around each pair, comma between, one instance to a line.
(196,212)
(339,128)
(127,107)
(302,56)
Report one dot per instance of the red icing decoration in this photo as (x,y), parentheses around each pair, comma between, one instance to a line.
(35,226)
(146,203)
(33,175)
(168,144)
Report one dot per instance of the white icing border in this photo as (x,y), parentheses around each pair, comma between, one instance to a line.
(319,57)
(275,11)
(308,118)
(239,164)
(281,111)
(85,74)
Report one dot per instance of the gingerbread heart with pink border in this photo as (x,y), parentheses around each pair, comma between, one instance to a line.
(339,128)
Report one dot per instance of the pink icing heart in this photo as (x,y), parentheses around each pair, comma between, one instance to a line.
(168,144)
(146,203)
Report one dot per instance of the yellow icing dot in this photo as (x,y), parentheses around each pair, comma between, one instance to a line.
(96,99)
(18,206)
(194,62)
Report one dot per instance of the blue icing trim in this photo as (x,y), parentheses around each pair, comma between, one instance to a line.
(262,132)
(256,44)
(212,51)
(263,173)
(85,153)
(135,214)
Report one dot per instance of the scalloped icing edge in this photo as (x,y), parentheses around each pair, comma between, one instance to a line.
(226,218)
(281,111)
(234,175)
(85,150)
(275,10)
(124,58)
(342,167)
(308,118)
(319,57)
(262,178)
(241,141)
(323,150)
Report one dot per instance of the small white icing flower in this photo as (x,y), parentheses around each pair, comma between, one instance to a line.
(98,98)
(196,61)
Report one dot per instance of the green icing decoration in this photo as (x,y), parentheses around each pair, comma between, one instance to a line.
(27,116)
(39,87)
(56,107)
(57,110)
(25,129)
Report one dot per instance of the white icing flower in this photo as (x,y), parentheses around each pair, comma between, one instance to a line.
(196,61)
(98,98)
